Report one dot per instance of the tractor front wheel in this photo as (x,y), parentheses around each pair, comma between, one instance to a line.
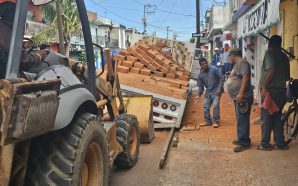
(75,155)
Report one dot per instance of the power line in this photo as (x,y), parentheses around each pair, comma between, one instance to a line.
(166,11)
(174,4)
(124,18)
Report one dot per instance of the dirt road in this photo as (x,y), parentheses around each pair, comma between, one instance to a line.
(206,157)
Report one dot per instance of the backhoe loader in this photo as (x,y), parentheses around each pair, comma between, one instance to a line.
(60,122)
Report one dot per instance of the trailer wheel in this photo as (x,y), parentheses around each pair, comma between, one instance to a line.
(128,135)
(75,155)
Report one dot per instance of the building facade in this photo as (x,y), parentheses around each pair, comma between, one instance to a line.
(251,17)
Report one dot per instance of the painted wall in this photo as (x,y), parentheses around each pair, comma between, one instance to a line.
(288,28)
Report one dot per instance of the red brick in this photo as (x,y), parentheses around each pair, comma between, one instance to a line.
(127,64)
(135,70)
(159,60)
(158,74)
(145,62)
(169,57)
(145,72)
(160,44)
(166,66)
(164,70)
(119,57)
(138,65)
(178,73)
(170,76)
(151,53)
(131,58)
(148,58)
(141,52)
(156,65)
(144,47)
(186,73)
(151,67)
(131,50)
(173,67)
(123,69)
(124,52)
(184,78)
(172,71)
(167,61)
(176,85)
(159,56)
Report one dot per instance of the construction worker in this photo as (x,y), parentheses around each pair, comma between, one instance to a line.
(7,12)
(211,80)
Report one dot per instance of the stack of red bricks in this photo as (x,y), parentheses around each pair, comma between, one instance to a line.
(147,60)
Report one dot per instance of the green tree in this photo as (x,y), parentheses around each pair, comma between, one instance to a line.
(70,19)
(192,40)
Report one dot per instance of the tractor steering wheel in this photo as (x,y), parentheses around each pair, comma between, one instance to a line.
(30,47)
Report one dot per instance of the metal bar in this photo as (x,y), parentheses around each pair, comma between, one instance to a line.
(88,44)
(284,50)
(166,148)
(101,103)
(16,42)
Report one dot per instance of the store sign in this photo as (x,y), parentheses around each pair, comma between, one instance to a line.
(264,14)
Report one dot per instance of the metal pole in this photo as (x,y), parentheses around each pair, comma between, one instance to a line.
(197,52)
(15,51)
(168,32)
(144,20)
(60,27)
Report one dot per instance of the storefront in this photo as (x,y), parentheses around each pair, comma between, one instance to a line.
(259,19)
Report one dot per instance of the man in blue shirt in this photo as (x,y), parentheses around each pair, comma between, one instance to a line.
(212,80)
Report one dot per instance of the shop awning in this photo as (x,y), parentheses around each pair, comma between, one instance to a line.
(259,18)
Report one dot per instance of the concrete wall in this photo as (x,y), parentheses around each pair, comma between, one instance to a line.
(289,28)
(220,16)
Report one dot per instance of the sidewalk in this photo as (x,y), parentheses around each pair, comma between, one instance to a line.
(206,157)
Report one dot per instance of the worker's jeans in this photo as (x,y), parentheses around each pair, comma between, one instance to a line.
(243,123)
(272,122)
(228,67)
(214,101)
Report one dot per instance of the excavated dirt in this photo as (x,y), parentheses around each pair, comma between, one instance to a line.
(206,157)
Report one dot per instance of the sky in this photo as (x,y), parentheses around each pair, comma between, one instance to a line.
(178,15)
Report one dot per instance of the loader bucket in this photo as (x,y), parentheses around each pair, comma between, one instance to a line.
(141,107)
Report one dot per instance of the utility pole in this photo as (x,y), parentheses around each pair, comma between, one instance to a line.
(168,30)
(198,43)
(60,27)
(175,36)
(148,10)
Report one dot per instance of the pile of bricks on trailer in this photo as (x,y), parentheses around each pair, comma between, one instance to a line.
(179,52)
(145,60)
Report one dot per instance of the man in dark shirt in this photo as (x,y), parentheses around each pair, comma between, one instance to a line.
(212,79)
(7,11)
(274,75)
(240,90)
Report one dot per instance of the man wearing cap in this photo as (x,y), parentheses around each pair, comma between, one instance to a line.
(216,57)
(210,79)
(241,92)
(274,75)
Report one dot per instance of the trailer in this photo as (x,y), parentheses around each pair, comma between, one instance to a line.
(167,111)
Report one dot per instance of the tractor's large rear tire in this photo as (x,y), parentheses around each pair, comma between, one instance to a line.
(76,155)
(128,135)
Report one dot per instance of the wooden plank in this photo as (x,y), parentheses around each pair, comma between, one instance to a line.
(166,148)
